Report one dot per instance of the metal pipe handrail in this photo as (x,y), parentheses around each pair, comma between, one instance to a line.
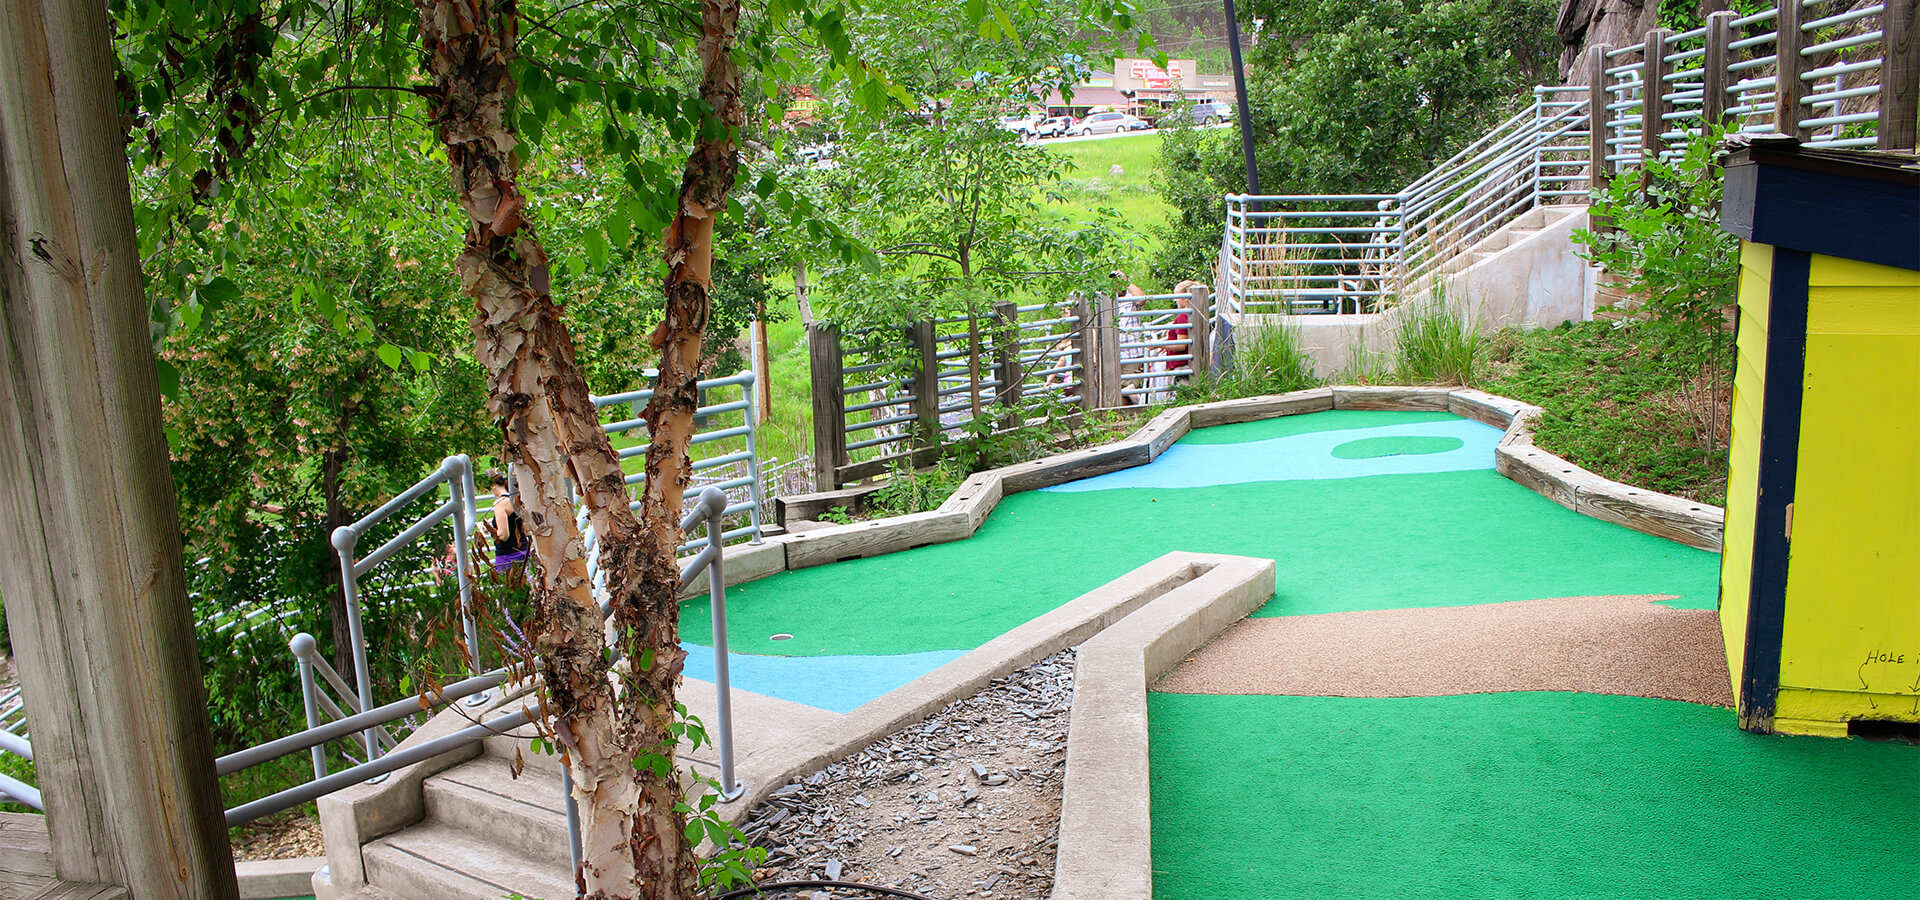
(358,722)
(16,745)
(345,778)
(22,791)
(710,508)
(456,472)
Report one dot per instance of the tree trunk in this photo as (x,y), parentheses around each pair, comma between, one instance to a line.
(91,571)
(334,516)
(632,838)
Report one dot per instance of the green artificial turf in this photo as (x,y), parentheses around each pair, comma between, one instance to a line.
(1400,445)
(1381,542)
(1517,795)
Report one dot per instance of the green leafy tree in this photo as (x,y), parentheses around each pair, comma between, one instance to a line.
(222,95)
(950,203)
(322,372)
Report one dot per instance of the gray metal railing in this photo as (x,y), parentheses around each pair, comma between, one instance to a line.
(456,472)
(1333,253)
(13,739)
(710,508)
(1151,360)
(749,485)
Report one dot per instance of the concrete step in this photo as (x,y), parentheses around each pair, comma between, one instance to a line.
(439,861)
(504,746)
(482,796)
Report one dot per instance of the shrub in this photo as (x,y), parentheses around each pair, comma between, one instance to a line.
(1436,344)
(909,491)
(1263,361)
(1667,243)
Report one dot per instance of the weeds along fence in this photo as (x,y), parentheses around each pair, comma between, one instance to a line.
(891,397)
(1831,73)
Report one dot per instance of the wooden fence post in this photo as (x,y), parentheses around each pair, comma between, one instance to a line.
(1106,357)
(926,385)
(1200,332)
(1900,78)
(1083,350)
(96,597)
(1713,87)
(1653,100)
(1006,360)
(974,376)
(829,406)
(1788,65)
(1600,166)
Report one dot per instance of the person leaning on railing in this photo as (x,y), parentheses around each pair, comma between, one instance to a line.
(510,541)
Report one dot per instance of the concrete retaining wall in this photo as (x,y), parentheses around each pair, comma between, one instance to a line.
(1527,273)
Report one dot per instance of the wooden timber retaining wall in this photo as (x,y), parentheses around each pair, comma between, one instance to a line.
(1650,512)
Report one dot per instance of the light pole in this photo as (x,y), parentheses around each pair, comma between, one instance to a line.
(1240,98)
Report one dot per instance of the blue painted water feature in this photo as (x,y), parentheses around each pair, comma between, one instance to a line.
(839,684)
(1304,457)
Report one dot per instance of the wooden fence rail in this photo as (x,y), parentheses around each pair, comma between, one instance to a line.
(884,398)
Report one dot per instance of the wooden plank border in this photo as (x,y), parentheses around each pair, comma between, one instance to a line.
(1649,512)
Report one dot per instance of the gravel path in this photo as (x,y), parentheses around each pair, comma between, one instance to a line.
(1623,645)
(965,804)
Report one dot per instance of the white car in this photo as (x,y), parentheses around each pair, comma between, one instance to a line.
(1054,126)
(1108,123)
(1022,126)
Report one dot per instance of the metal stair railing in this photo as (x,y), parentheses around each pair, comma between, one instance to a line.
(315,699)
(13,739)
(456,472)
(1304,254)
(709,509)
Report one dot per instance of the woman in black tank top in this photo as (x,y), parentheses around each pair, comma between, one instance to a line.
(510,541)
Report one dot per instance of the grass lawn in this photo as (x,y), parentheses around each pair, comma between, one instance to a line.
(1629,403)
(1088,186)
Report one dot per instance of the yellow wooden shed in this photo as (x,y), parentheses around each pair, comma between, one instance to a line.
(1820,577)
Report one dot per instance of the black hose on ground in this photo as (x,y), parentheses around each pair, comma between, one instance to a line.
(759,889)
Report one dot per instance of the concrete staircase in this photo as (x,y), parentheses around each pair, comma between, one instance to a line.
(463,827)
(486,835)
(1526,225)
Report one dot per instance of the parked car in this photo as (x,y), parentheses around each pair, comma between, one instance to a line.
(1054,126)
(1020,125)
(820,155)
(1211,113)
(1108,123)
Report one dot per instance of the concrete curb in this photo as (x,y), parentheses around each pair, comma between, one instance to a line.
(1106,822)
(266,879)
(1071,624)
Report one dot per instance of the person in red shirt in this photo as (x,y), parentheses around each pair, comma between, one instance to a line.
(1181,330)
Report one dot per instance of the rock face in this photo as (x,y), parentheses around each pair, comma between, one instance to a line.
(1616,23)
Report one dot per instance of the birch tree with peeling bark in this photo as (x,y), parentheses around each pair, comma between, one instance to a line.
(601,69)
(603,716)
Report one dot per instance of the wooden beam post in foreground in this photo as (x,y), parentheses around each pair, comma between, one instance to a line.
(95,594)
